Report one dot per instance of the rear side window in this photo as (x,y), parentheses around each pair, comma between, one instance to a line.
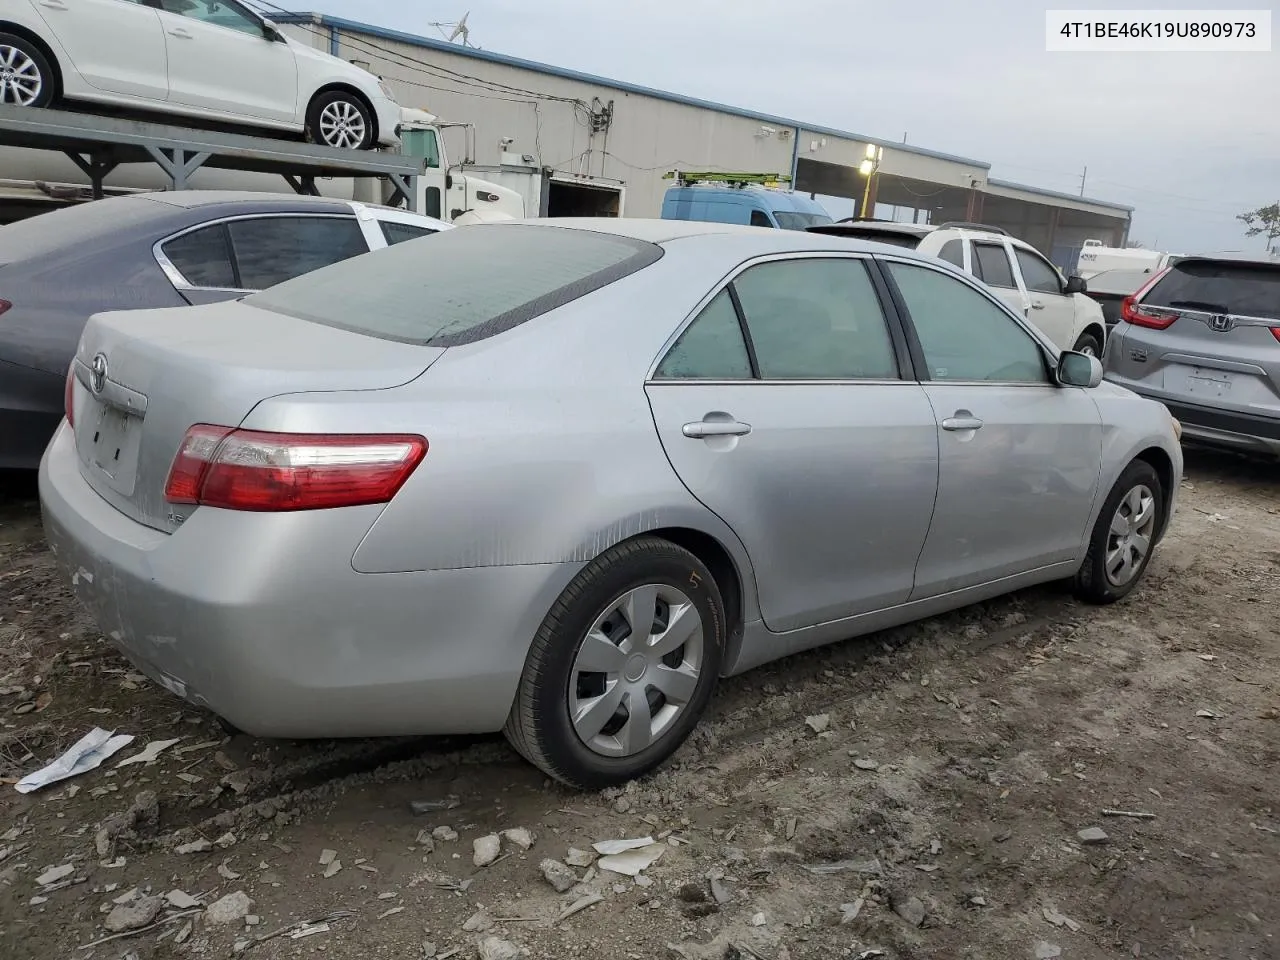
(464,286)
(711,348)
(274,249)
(953,252)
(760,219)
(395,233)
(991,264)
(1241,289)
(203,257)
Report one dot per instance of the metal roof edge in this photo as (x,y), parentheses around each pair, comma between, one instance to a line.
(443,46)
(1057,194)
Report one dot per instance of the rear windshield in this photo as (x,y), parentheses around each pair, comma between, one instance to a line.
(47,233)
(459,286)
(1241,289)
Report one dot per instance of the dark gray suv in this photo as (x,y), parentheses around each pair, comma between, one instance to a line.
(1203,337)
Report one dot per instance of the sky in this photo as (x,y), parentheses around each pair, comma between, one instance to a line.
(1189,140)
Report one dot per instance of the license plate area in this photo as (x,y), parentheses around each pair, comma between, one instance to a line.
(1202,382)
(110,447)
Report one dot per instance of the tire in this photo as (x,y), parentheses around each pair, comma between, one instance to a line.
(1089,343)
(341,119)
(1094,582)
(27,78)
(555,686)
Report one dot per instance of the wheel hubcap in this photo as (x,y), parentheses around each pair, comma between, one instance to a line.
(342,125)
(20,79)
(1129,540)
(636,670)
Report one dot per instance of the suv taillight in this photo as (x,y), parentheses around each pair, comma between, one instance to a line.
(1156,318)
(69,395)
(271,472)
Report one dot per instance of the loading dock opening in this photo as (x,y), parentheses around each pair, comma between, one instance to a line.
(566,198)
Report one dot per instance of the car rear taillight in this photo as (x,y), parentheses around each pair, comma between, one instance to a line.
(1156,318)
(4,306)
(268,472)
(1275,332)
(69,395)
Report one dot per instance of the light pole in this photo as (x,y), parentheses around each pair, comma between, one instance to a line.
(868,167)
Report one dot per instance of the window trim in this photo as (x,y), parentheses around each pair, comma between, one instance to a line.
(182,284)
(1048,351)
(1022,277)
(902,354)
(1014,273)
(250,15)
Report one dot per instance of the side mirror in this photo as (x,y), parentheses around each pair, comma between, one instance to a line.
(1079,370)
(1076,285)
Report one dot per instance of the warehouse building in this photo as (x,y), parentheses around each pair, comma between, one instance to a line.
(608,144)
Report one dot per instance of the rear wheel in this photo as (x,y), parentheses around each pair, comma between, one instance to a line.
(340,119)
(1090,344)
(622,667)
(1124,537)
(26,76)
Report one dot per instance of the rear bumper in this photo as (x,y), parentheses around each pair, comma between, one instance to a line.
(1247,433)
(261,618)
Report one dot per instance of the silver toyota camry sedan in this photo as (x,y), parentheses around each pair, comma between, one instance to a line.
(558,477)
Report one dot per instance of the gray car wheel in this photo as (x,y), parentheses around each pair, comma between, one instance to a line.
(341,119)
(1124,537)
(622,667)
(1088,343)
(26,77)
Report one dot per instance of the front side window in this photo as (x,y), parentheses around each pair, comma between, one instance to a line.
(964,335)
(711,348)
(271,250)
(816,319)
(221,13)
(991,265)
(1038,275)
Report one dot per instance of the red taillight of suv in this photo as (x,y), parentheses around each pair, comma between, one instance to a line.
(276,472)
(69,395)
(1275,332)
(1156,318)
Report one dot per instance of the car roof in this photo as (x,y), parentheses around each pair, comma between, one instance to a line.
(1233,256)
(663,232)
(194,199)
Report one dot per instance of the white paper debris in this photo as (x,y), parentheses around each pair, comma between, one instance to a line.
(613,847)
(89,753)
(150,754)
(54,875)
(631,862)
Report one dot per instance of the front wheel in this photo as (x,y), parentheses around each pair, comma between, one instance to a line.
(1124,537)
(1090,344)
(340,119)
(26,77)
(622,667)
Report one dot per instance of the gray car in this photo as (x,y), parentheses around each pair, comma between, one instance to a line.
(556,478)
(1203,337)
(152,250)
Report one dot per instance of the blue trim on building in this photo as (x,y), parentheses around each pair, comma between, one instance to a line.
(337,24)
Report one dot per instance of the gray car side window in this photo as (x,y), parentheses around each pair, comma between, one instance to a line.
(203,257)
(1037,274)
(816,319)
(394,232)
(964,336)
(711,348)
(270,250)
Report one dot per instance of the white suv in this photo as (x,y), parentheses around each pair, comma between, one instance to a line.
(1015,271)
(208,59)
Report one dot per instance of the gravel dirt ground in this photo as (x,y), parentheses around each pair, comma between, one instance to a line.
(919,793)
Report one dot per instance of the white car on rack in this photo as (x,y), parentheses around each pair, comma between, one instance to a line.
(1015,271)
(215,60)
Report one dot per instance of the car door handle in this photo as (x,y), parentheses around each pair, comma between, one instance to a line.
(181,33)
(53,4)
(960,421)
(702,429)
(1037,304)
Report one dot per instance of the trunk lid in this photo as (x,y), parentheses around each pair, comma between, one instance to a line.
(145,377)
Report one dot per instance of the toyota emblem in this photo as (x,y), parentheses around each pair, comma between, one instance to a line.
(98,373)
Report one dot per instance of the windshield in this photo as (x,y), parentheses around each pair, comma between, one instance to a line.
(459,286)
(790,220)
(1242,289)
